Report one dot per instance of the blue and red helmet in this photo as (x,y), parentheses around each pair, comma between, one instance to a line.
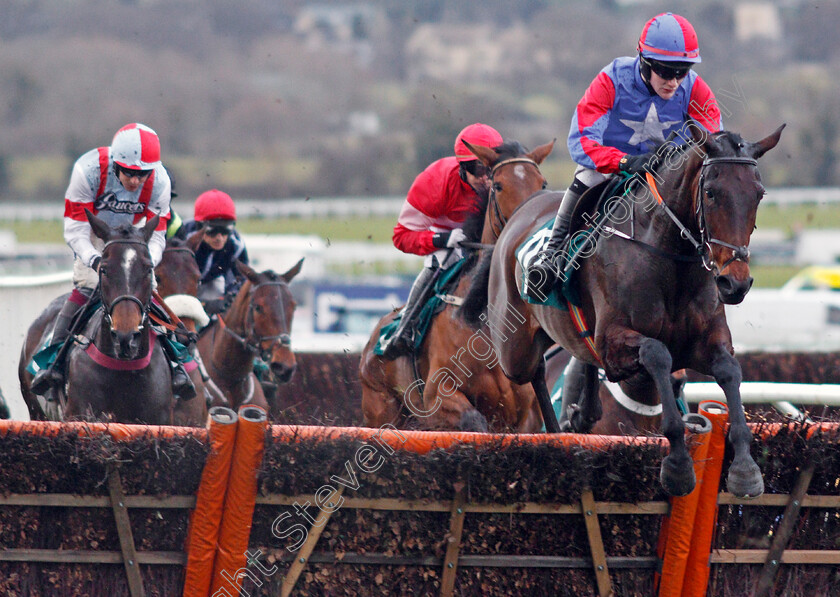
(669,38)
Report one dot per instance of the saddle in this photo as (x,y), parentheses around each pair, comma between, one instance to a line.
(447,281)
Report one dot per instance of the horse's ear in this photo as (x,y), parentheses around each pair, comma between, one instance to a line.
(149,227)
(248,272)
(541,152)
(99,227)
(485,154)
(759,148)
(292,272)
(194,239)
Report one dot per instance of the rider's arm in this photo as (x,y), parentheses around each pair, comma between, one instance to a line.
(80,195)
(703,106)
(413,233)
(586,134)
(159,205)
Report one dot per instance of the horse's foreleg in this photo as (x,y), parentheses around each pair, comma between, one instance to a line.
(744,478)
(581,407)
(677,473)
(544,399)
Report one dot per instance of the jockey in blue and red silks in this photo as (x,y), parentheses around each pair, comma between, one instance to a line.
(429,224)
(628,110)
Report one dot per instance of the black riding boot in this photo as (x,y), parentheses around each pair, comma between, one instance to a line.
(53,376)
(182,385)
(401,342)
(543,273)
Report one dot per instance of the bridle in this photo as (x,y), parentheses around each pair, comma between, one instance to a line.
(739,253)
(703,246)
(497,218)
(251,340)
(109,306)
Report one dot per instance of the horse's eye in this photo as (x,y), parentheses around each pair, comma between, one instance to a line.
(545,184)
(258,309)
(710,195)
(497,186)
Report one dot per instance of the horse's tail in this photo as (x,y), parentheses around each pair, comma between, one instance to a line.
(475,303)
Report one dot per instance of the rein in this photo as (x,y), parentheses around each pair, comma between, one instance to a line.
(109,307)
(251,341)
(703,246)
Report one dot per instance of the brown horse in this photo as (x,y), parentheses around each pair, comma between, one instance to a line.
(257,324)
(116,368)
(178,275)
(454,382)
(652,290)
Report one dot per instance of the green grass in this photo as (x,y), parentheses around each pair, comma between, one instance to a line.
(379,229)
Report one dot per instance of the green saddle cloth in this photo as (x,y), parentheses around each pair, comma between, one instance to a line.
(435,303)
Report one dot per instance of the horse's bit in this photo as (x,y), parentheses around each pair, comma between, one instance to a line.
(256,345)
(704,245)
(741,253)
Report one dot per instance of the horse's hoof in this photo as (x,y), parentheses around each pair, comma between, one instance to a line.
(744,480)
(472,420)
(677,481)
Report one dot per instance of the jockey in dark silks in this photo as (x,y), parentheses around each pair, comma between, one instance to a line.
(629,109)
(221,247)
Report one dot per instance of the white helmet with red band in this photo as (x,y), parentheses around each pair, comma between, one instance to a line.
(476,134)
(136,146)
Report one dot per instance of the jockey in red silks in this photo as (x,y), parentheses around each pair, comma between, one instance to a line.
(438,202)
(629,109)
(124,183)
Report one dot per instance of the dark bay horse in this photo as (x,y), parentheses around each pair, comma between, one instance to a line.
(454,381)
(116,367)
(257,324)
(652,291)
(178,276)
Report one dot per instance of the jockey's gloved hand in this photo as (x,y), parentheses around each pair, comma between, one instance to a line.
(631,164)
(94,264)
(451,239)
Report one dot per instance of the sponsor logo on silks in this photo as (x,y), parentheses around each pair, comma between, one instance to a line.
(109,202)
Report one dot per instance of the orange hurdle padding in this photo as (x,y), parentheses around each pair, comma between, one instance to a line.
(697,568)
(207,517)
(422,442)
(240,499)
(118,431)
(683,509)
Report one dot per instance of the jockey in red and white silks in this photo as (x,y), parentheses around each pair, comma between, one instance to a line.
(99,184)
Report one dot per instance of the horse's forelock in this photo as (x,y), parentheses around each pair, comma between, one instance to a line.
(510,149)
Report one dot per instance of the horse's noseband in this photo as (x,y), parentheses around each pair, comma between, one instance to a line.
(253,341)
(109,307)
(739,253)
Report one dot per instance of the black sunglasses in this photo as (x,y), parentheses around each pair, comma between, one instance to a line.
(476,168)
(131,173)
(217,230)
(667,72)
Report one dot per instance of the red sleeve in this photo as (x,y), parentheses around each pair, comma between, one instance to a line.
(703,106)
(417,242)
(591,113)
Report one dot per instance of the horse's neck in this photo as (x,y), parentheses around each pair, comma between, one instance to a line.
(677,192)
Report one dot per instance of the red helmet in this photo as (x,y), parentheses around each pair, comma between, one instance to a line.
(214,205)
(476,134)
(136,146)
